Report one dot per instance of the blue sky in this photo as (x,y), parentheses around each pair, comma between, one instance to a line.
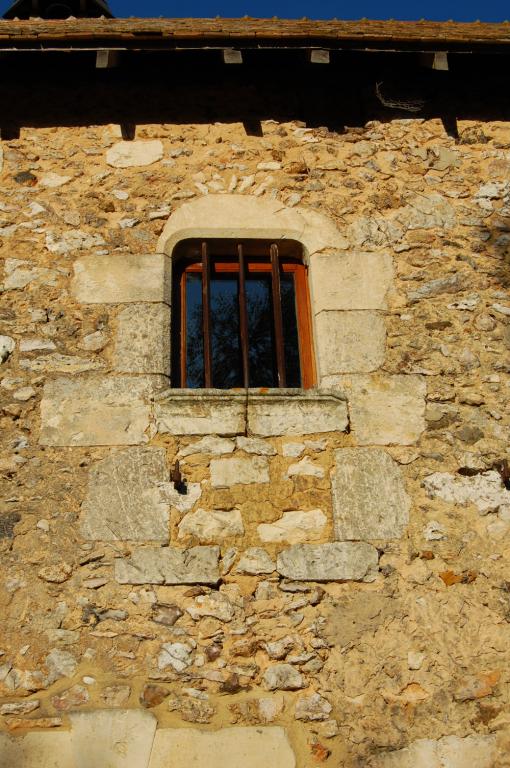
(460,10)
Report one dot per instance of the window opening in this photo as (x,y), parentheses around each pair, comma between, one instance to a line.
(241,312)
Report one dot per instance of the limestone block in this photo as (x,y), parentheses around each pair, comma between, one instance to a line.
(169,565)
(350,280)
(345,561)
(113,738)
(486,491)
(180,413)
(130,154)
(255,561)
(122,278)
(296,415)
(212,525)
(350,342)
(142,343)
(233,471)
(386,410)
(294,527)
(258,747)
(96,410)
(369,497)
(50,749)
(123,501)
(449,752)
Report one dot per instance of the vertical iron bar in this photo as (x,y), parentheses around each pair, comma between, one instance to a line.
(206,315)
(277,312)
(243,317)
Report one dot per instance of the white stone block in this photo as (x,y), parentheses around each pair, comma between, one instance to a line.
(209,526)
(104,410)
(50,749)
(350,280)
(113,738)
(124,502)
(345,561)
(259,747)
(234,471)
(476,751)
(294,527)
(369,496)
(386,410)
(169,565)
(131,154)
(142,343)
(349,342)
(122,278)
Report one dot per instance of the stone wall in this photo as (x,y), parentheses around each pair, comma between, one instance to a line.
(337,569)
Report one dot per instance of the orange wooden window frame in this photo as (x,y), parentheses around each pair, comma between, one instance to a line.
(254,265)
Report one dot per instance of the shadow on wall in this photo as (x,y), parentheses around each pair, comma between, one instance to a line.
(59,89)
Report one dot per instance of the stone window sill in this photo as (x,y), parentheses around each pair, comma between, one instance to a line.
(261,412)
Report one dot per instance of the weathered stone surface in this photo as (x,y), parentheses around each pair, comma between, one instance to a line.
(294,527)
(345,561)
(215,604)
(123,501)
(305,468)
(130,154)
(283,677)
(216,446)
(486,491)
(351,280)
(175,655)
(449,752)
(179,413)
(451,284)
(7,347)
(350,342)
(386,410)
(58,363)
(369,496)
(198,565)
(142,342)
(212,525)
(227,748)
(37,750)
(255,561)
(72,240)
(73,697)
(280,415)
(255,445)
(234,471)
(113,738)
(19,273)
(313,707)
(96,411)
(59,664)
(121,278)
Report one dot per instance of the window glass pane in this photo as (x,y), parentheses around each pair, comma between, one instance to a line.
(226,350)
(260,331)
(194,337)
(290,331)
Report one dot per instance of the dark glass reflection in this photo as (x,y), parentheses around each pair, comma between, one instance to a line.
(195,377)
(225,331)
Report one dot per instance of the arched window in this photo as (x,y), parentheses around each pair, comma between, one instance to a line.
(241,315)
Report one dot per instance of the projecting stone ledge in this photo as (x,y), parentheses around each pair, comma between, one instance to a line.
(169,566)
(342,561)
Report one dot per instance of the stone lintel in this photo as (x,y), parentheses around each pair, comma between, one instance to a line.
(169,566)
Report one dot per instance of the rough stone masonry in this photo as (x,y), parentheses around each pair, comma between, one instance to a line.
(333,586)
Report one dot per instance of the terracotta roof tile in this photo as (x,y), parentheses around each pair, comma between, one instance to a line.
(364,31)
